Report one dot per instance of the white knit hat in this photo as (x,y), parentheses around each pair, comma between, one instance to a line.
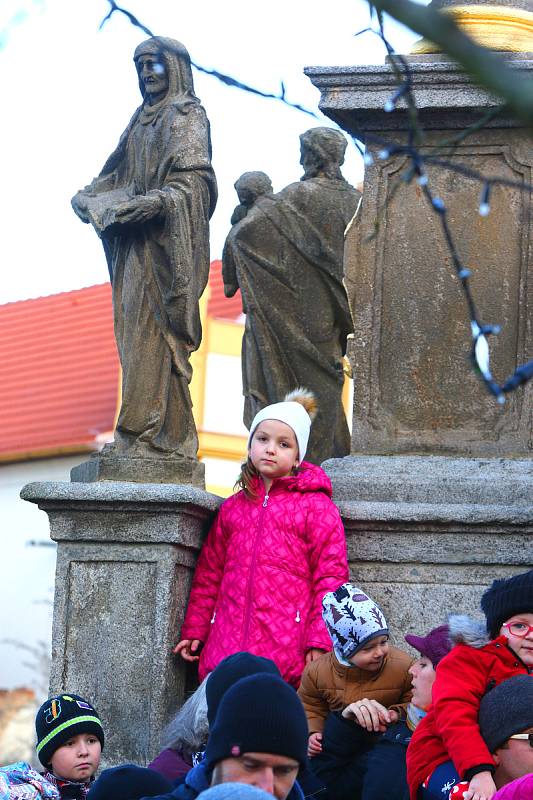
(293,413)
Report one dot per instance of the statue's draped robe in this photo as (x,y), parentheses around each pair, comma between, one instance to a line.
(286,256)
(159,270)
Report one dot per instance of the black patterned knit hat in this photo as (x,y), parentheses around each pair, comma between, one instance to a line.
(505,598)
(59,719)
(352,619)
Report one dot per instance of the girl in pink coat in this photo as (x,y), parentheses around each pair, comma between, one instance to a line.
(275,549)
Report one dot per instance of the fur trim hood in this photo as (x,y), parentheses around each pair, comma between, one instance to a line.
(467,630)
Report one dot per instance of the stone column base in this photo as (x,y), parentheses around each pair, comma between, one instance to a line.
(426,535)
(101,467)
(125,559)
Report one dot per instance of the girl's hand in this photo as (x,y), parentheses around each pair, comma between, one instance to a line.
(312,654)
(188,649)
(370,715)
(314,745)
(481,787)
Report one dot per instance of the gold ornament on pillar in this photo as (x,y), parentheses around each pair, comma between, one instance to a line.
(497,27)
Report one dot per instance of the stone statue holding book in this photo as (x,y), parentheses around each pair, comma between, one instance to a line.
(151,205)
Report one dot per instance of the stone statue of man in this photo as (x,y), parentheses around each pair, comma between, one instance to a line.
(286,256)
(151,206)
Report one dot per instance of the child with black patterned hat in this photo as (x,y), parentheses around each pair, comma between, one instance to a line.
(362,664)
(70,739)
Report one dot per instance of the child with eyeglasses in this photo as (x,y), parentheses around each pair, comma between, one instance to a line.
(447,746)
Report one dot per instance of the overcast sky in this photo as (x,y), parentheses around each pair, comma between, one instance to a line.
(70,89)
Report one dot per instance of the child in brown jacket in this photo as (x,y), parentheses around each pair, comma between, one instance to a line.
(360,679)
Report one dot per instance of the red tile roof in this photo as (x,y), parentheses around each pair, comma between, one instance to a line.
(59,373)
(219,306)
(59,369)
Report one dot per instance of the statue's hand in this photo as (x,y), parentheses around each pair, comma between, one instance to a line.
(79,204)
(140,209)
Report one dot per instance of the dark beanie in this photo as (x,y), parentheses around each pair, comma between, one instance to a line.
(259,714)
(129,782)
(505,710)
(229,671)
(505,598)
(435,645)
(59,719)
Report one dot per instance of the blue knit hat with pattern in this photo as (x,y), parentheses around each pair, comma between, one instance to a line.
(59,719)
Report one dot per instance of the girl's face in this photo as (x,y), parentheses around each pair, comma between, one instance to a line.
(273,450)
(422,675)
(372,655)
(519,644)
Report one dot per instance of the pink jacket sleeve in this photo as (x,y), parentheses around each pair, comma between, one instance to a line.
(206,583)
(328,563)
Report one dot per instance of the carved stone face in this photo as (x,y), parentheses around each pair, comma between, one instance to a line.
(153,75)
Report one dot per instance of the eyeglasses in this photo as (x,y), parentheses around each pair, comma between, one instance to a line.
(528,736)
(521,629)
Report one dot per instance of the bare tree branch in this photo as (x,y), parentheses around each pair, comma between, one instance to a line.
(225,79)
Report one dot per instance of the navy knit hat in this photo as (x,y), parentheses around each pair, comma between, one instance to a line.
(59,719)
(505,598)
(259,714)
(129,782)
(229,671)
(505,710)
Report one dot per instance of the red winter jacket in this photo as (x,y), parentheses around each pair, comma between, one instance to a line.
(263,571)
(450,729)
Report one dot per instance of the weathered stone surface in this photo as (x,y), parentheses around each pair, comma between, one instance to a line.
(426,535)
(415,391)
(151,205)
(286,256)
(447,99)
(126,555)
(101,467)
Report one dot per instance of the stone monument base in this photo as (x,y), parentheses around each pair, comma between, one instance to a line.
(125,559)
(102,467)
(426,535)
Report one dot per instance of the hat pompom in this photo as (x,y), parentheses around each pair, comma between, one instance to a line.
(306,399)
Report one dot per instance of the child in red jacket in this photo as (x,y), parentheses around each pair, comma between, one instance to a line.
(447,745)
(275,549)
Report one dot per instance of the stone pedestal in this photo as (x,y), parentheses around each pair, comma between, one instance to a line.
(125,559)
(427,534)
(437,496)
(105,467)
(414,389)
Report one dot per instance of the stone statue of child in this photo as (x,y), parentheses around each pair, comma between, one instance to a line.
(249,187)
(151,206)
(286,256)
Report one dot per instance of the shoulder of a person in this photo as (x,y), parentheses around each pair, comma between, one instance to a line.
(319,667)
(399,658)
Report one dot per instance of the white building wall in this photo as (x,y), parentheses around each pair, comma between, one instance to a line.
(27,583)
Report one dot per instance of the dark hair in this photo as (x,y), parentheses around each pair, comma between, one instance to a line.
(247,478)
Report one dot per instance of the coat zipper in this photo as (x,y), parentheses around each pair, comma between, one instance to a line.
(213,618)
(258,530)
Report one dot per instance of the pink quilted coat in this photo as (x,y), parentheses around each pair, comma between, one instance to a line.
(263,571)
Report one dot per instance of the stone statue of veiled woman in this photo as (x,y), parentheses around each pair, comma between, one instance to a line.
(151,206)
